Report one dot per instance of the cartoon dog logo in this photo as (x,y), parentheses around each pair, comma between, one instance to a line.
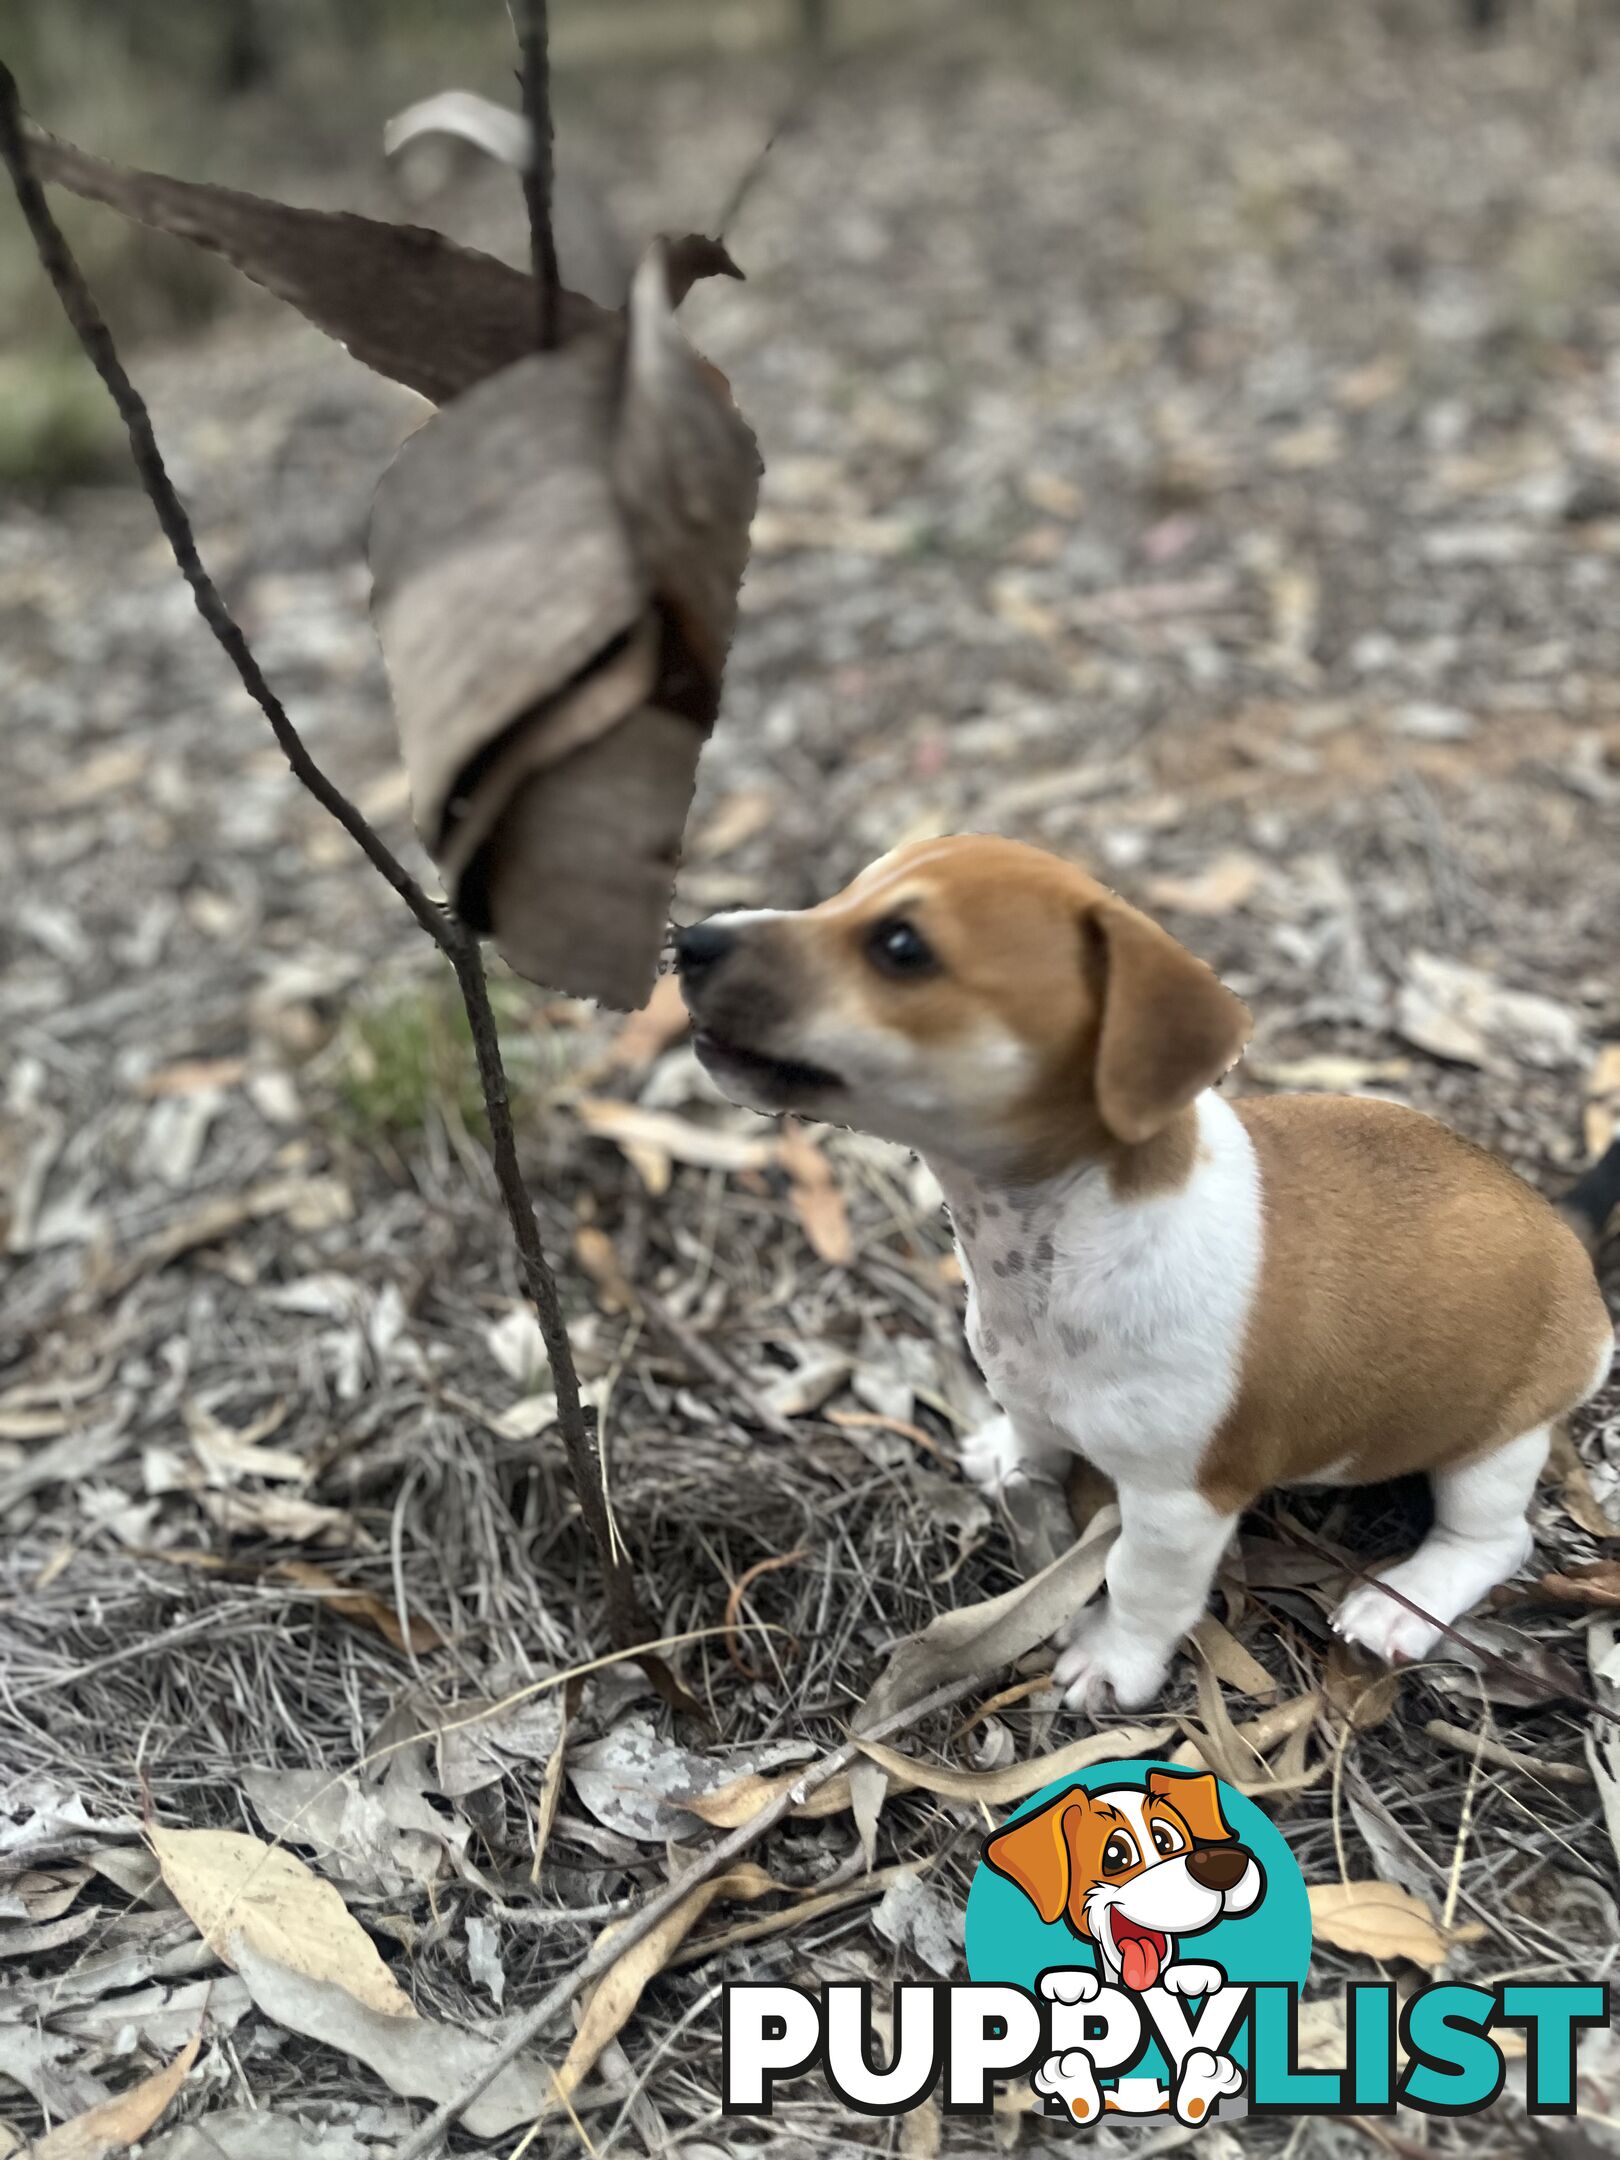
(1134,1870)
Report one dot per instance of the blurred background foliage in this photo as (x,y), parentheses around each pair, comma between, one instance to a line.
(290,96)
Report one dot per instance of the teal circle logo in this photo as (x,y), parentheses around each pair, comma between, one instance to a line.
(1137,1901)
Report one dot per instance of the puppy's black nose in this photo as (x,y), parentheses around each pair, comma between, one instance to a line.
(699,950)
(1217,1867)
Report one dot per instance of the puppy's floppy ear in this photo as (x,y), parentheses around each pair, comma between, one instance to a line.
(1169,1027)
(1196,1799)
(1034,1853)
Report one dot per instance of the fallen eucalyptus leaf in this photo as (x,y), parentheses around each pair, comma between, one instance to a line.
(1461,1013)
(416,2057)
(118,2123)
(257,2134)
(1377,1920)
(620,1988)
(239,1892)
(640,1784)
(972,1640)
(913,1916)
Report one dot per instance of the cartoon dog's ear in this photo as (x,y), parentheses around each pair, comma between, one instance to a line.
(1197,1800)
(1034,1853)
(1169,1028)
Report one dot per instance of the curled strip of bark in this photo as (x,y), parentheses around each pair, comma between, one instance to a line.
(452,937)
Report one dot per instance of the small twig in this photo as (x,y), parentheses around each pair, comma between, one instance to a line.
(610,1947)
(452,937)
(1485,1749)
(537,171)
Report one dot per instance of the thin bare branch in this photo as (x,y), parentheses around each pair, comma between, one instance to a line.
(453,939)
(535,40)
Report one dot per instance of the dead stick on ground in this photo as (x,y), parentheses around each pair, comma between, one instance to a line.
(1484,1749)
(609,1948)
(453,939)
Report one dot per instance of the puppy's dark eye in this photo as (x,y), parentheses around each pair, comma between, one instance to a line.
(1165,1840)
(1119,1853)
(898,948)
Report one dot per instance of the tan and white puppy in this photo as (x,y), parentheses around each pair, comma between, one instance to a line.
(1203,1299)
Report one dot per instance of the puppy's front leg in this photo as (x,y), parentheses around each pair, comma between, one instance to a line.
(1159,1576)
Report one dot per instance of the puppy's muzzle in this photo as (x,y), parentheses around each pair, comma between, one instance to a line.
(1217,1867)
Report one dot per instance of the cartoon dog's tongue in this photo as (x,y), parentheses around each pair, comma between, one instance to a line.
(1141,1952)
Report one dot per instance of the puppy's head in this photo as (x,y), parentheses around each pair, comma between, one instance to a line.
(1132,1869)
(972,997)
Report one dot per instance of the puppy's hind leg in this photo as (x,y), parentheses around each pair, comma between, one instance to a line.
(1480,1538)
(1021,1465)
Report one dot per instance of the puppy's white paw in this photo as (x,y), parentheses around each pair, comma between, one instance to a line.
(1100,1660)
(1205,2078)
(1071,2079)
(1071,1984)
(1192,1979)
(989,1454)
(1381,1624)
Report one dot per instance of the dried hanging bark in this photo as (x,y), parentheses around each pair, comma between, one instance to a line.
(555,565)
(557,556)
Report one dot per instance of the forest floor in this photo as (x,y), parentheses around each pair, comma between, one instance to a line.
(1198,454)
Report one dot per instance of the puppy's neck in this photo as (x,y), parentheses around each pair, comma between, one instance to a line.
(1045,1178)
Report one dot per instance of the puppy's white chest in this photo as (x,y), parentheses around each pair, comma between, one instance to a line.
(1117,1325)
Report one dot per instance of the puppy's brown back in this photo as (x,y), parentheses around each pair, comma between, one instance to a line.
(1418,1303)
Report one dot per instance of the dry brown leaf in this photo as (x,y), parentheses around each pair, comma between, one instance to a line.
(1376,1920)
(228,1452)
(738,1801)
(415,2056)
(598,1257)
(817,1201)
(1218,889)
(193,1076)
(1602,1115)
(556,559)
(736,820)
(1575,1493)
(648,1033)
(806,1906)
(278,1515)
(362,1605)
(1254,1740)
(120,2122)
(661,1134)
(1227,1659)
(1596,1584)
(620,1988)
(1358,1693)
(545,1813)
(1014,1781)
(415,306)
(1327,1071)
(309,1203)
(972,1640)
(235,1887)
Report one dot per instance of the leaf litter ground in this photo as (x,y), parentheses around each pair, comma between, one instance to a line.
(1177,454)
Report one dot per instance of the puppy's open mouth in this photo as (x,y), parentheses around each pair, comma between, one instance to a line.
(1142,1951)
(775,1076)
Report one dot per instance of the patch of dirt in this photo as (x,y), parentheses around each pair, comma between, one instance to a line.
(1200,455)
